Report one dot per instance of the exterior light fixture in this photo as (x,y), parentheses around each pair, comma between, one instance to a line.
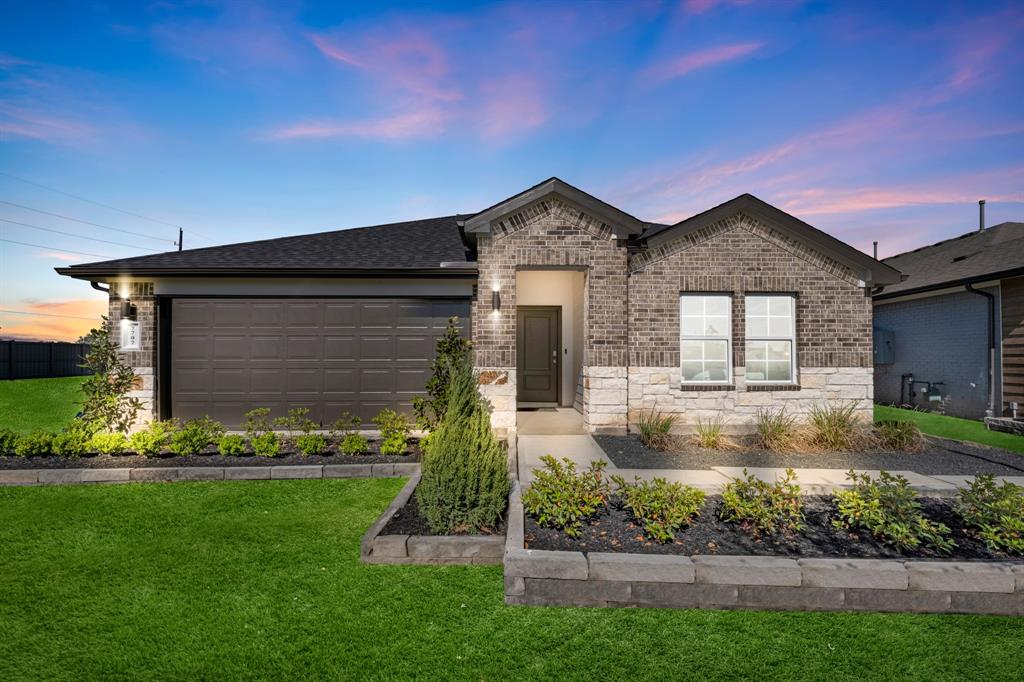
(128,311)
(495,301)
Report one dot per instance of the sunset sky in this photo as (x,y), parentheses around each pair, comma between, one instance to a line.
(243,120)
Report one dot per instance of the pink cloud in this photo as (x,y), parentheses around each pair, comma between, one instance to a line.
(422,123)
(65,257)
(702,6)
(39,125)
(695,61)
(510,104)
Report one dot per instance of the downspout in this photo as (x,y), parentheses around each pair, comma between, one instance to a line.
(991,412)
(99,287)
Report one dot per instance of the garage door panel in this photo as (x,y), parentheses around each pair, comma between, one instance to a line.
(330,355)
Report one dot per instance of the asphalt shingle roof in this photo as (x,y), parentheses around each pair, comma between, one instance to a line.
(971,256)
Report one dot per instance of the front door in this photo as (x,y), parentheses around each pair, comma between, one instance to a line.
(537,344)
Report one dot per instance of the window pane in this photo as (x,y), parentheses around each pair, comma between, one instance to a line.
(780,305)
(692,370)
(716,305)
(716,371)
(715,350)
(757,326)
(780,326)
(693,305)
(755,351)
(692,350)
(777,350)
(757,305)
(716,326)
(755,372)
(692,326)
(779,371)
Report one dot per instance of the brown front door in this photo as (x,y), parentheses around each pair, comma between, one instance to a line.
(537,344)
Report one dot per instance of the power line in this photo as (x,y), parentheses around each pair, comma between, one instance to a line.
(54,248)
(23,312)
(77,236)
(85,222)
(101,204)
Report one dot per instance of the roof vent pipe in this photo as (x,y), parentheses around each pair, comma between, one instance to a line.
(981,215)
(875,244)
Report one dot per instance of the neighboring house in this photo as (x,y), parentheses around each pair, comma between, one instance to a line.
(955,326)
(569,301)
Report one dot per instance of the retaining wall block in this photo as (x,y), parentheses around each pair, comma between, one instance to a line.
(790,598)
(987,603)
(514,586)
(106,475)
(391,546)
(684,595)
(246,473)
(57,476)
(384,470)
(19,477)
(960,576)
(297,471)
(747,570)
(528,563)
(154,474)
(201,474)
(897,601)
(347,470)
(576,591)
(653,568)
(865,573)
(406,469)
(455,546)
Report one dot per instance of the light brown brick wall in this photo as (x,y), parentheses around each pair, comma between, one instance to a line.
(144,360)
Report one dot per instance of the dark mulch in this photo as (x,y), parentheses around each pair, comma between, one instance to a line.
(209,458)
(409,521)
(939,456)
(614,531)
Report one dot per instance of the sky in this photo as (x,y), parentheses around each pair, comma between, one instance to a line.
(247,120)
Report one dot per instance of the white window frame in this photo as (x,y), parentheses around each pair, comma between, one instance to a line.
(727,338)
(791,338)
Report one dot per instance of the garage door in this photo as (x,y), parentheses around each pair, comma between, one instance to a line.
(329,355)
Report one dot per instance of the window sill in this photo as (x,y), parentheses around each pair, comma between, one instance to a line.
(773,387)
(706,387)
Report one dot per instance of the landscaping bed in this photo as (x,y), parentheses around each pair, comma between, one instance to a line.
(615,531)
(408,520)
(938,456)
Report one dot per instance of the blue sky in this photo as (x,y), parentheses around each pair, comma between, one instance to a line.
(243,121)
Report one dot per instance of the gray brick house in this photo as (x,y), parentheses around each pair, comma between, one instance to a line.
(568,300)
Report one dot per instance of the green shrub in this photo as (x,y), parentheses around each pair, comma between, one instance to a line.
(394,432)
(655,430)
(561,498)
(107,405)
(889,509)
(151,440)
(296,422)
(266,444)
(8,439)
(711,434)
(902,436)
(761,507)
(354,444)
(231,445)
(834,426)
(345,432)
(194,437)
(311,444)
(994,512)
(72,441)
(660,507)
(106,443)
(35,444)
(776,431)
(452,350)
(464,481)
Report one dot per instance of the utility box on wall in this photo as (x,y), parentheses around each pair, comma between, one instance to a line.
(885,346)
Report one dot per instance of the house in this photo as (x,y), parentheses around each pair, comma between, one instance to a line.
(951,336)
(569,301)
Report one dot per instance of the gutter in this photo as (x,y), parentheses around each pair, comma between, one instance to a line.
(465,269)
(950,284)
(969,286)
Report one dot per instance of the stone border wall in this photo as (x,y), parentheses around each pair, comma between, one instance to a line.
(444,550)
(549,578)
(240,473)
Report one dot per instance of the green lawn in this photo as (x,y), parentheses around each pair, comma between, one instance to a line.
(28,404)
(233,580)
(953,427)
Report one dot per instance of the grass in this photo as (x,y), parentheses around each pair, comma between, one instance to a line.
(952,427)
(49,404)
(231,580)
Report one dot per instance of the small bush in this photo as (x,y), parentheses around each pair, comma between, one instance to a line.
(711,434)
(35,444)
(194,437)
(231,445)
(888,508)
(107,403)
(345,433)
(394,432)
(266,444)
(311,444)
(297,422)
(151,440)
(902,436)
(354,444)
(72,441)
(109,443)
(655,430)
(561,498)
(833,426)
(994,512)
(8,439)
(662,508)
(761,507)
(776,431)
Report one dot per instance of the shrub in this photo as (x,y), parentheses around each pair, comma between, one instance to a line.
(452,350)
(72,441)
(994,512)
(662,508)
(889,509)
(763,507)
(776,431)
(35,444)
(345,432)
(464,479)
(8,439)
(904,436)
(311,444)
(354,444)
(107,405)
(394,432)
(231,445)
(260,431)
(195,436)
(710,434)
(834,426)
(107,443)
(151,440)
(266,444)
(561,498)
(655,430)
(297,421)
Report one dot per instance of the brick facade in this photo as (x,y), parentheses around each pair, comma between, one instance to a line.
(144,360)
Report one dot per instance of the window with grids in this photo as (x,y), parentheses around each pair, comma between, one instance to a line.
(705,339)
(771,339)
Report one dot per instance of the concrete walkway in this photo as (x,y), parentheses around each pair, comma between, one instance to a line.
(582,450)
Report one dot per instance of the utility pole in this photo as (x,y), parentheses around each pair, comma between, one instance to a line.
(180,232)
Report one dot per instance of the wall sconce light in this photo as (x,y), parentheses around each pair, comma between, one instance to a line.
(495,301)
(128,311)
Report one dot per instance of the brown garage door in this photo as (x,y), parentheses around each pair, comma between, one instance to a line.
(330,355)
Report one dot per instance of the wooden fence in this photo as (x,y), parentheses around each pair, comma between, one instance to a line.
(41,359)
